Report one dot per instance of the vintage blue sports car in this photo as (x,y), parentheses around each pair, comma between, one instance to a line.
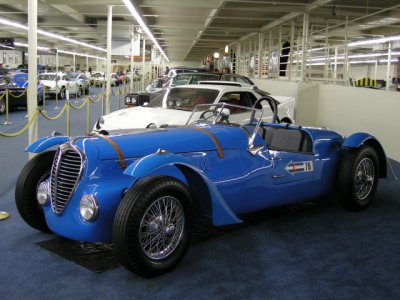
(146,189)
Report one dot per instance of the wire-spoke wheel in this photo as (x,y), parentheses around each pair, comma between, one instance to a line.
(153,225)
(161,228)
(358,178)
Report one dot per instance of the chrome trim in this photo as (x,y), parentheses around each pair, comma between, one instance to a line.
(60,174)
(277,176)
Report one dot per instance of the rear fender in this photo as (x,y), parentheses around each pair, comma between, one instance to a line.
(44,143)
(359,139)
(201,187)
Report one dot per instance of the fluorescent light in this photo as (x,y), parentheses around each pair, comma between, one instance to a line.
(59,50)
(49,34)
(375,41)
(139,19)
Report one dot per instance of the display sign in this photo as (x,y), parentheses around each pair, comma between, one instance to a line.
(6,43)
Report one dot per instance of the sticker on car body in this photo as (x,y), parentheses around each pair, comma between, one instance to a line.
(299,166)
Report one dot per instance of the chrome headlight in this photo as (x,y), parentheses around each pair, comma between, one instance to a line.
(128,100)
(88,208)
(100,123)
(42,193)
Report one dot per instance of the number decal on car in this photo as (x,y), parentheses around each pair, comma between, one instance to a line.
(300,166)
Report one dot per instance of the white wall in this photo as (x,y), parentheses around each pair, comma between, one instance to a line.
(344,109)
(350,109)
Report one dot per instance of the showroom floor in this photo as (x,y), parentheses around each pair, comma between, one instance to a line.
(311,251)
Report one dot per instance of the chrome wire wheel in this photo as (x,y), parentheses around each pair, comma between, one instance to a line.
(161,228)
(364,178)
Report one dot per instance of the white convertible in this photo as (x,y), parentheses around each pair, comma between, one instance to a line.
(174,106)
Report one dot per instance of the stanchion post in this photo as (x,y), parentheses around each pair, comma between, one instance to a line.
(87,114)
(67,116)
(44,99)
(7,122)
(56,107)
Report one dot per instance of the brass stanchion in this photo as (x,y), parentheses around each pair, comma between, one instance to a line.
(56,107)
(4,215)
(7,122)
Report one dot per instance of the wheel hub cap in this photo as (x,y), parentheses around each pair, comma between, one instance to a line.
(364,178)
(161,227)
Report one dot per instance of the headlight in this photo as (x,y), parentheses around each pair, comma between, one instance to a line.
(128,100)
(100,123)
(88,208)
(42,193)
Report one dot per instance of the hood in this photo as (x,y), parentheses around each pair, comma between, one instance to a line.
(142,116)
(141,142)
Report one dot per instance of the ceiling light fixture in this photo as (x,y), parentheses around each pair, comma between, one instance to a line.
(49,34)
(59,50)
(139,19)
(375,41)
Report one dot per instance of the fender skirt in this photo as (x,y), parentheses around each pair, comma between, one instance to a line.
(221,213)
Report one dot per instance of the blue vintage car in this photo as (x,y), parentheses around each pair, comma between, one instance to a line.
(146,189)
(16,86)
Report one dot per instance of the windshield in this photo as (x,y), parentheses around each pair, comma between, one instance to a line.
(224,113)
(194,78)
(184,98)
(47,76)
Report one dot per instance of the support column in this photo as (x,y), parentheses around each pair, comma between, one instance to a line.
(108,63)
(32,69)
(74,59)
(132,55)
(260,53)
(143,63)
(304,47)
(388,65)
(346,58)
(57,61)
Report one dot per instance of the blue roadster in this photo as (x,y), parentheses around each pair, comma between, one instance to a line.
(146,189)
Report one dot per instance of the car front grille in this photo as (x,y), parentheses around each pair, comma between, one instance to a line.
(65,174)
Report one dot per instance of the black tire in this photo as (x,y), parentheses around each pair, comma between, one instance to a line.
(79,92)
(130,226)
(358,178)
(61,94)
(2,107)
(286,120)
(25,191)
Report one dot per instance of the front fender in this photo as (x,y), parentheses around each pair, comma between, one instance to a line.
(44,143)
(221,212)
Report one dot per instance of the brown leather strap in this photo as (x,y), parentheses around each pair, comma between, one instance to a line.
(122,162)
(213,138)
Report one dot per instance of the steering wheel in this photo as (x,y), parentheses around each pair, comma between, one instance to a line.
(209,113)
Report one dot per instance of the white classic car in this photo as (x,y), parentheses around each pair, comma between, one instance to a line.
(174,106)
(100,79)
(59,83)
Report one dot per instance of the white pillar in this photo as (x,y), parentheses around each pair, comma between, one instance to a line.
(74,59)
(260,52)
(57,61)
(304,47)
(132,55)
(32,68)
(87,63)
(108,63)
(346,58)
(388,65)
(143,62)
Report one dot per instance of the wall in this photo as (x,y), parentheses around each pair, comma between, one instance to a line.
(350,109)
(344,109)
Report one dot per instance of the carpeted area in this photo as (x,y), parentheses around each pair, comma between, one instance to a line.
(316,250)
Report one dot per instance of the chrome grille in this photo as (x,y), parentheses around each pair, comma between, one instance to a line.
(65,173)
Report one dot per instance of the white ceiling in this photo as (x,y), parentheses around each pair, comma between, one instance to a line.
(192,29)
